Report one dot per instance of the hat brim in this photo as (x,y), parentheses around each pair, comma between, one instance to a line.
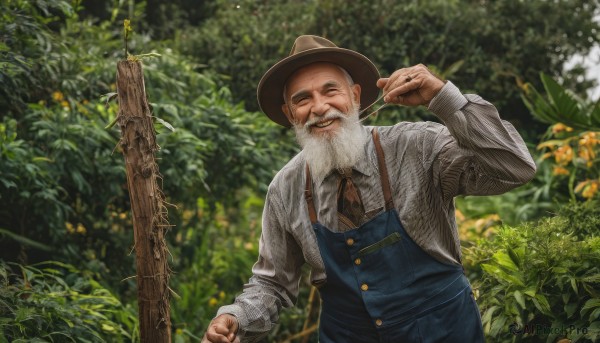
(360,68)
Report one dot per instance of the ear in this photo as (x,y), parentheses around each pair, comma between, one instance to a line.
(288,112)
(355,89)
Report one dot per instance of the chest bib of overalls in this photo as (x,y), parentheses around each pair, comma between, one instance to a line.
(382,287)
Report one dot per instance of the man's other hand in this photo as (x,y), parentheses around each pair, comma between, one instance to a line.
(411,86)
(222,329)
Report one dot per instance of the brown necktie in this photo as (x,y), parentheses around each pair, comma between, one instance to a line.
(349,203)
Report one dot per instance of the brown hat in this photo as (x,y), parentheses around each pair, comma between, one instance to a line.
(307,50)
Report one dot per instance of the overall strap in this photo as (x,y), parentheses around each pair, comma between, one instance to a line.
(309,198)
(383,173)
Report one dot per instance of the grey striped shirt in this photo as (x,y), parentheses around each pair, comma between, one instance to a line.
(474,153)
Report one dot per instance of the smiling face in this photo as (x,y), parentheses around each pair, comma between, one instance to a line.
(317,95)
(322,104)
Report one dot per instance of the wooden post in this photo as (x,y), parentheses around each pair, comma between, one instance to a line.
(138,142)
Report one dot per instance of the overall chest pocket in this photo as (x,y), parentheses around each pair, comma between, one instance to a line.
(385,264)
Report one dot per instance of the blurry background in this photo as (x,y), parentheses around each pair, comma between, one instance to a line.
(66,265)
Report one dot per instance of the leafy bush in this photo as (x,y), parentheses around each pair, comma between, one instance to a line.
(540,282)
(63,181)
(486,56)
(53,301)
(573,139)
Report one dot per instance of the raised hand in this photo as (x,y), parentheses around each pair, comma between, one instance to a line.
(411,86)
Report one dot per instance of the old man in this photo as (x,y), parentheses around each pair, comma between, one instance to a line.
(371,209)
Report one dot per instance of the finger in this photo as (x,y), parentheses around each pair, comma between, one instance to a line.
(382,82)
(217,333)
(408,86)
(393,79)
(216,338)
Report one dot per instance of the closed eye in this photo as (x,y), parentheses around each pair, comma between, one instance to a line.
(300,101)
(331,91)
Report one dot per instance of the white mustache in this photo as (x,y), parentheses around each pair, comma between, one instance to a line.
(329,116)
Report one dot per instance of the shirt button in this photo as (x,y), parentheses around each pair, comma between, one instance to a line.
(357,261)
(350,241)
(378,322)
(364,287)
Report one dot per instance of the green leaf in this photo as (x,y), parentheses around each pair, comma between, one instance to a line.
(519,298)
(487,316)
(570,309)
(497,272)
(108,97)
(514,257)
(574,285)
(590,304)
(595,314)
(541,303)
(505,260)
(165,124)
(531,292)
(591,278)
(25,241)
(563,102)
(498,325)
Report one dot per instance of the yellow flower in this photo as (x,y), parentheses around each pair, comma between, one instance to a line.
(563,155)
(127,25)
(213,302)
(546,155)
(221,295)
(588,155)
(558,170)
(58,96)
(70,228)
(559,127)
(81,229)
(590,190)
(65,104)
(588,139)
(122,215)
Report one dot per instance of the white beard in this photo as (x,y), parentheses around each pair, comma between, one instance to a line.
(338,150)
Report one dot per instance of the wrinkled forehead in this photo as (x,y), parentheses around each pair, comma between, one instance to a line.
(320,71)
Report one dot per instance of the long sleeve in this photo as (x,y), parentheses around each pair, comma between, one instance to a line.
(276,275)
(476,153)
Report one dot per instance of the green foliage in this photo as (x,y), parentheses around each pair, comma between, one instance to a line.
(567,163)
(562,106)
(53,301)
(63,194)
(24,42)
(541,278)
(573,139)
(481,46)
(244,49)
(213,263)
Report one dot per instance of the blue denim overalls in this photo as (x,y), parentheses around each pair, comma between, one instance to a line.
(382,287)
